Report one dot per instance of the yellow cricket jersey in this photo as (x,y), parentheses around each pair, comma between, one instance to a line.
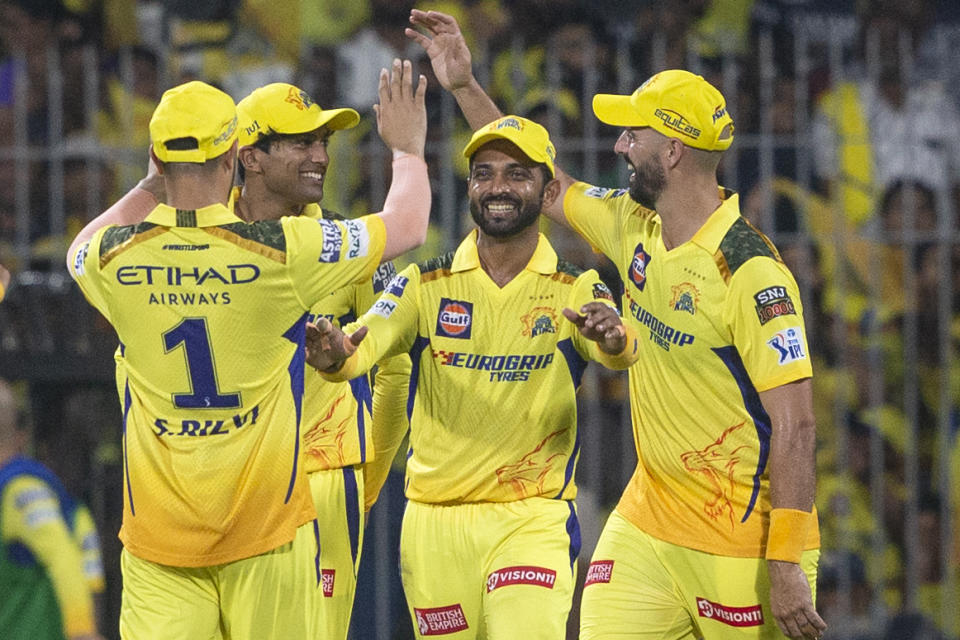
(719,320)
(492,394)
(337,425)
(210,312)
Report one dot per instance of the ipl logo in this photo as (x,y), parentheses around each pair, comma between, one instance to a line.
(789,345)
(638,268)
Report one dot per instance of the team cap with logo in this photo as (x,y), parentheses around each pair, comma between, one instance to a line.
(527,135)
(676,103)
(285,109)
(193,110)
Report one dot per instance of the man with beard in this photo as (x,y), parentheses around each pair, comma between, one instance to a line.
(716,534)
(490,534)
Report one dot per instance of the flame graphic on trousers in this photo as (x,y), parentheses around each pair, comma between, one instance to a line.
(324,440)
(531,470)
(717,462)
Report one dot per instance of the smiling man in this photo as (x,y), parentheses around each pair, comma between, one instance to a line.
(490,534)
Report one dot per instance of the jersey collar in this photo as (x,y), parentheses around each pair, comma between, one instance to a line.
(544,259)
(215,214)
(715,228)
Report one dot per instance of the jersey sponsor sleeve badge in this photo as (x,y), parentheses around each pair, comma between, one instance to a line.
(397,285)
(773,302)
(332,241)
(538,576)
(685,297)
(732,616)
(454,319)
(384,308)
(638,267)
(600,571)
(383,275)
(80,260)
(789,345)
(440,621)
(540,320)
(601,192)
(358,239)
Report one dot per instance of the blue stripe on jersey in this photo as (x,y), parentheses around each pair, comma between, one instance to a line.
(316,560)
(575,363)
(361,393)
(418,345)
(573,530)
(352,496)
(568,474)
(297,335)
(127,401)
(761,421)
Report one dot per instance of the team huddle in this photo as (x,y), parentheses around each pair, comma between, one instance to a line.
(250,317)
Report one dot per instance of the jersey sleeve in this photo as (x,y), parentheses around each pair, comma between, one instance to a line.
(598,214)
(391,322)
(590,288)
(325,255)
(391,390)
(85,535)
(85,270)
(31,515)
(765,315)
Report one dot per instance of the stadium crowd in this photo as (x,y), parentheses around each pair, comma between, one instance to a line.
(847,155)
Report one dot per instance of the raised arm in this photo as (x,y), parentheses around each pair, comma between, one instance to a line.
(790,408)
(402,124)
(132,208)
(450,59)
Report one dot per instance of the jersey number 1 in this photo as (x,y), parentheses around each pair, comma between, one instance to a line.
(192,334)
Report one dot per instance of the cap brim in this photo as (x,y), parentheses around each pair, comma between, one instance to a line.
(338,119)
(616,110)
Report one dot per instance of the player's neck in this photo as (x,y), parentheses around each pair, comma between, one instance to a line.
(684,210)
(190,194)
(504,258)
(260,204)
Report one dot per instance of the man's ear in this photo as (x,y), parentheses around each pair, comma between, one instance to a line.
(156,162)
(550,193)
(673,152)
(249,157)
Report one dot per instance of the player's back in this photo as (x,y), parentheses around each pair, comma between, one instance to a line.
(210,314)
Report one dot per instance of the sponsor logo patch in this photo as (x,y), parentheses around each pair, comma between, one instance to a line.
(773,302)
(540,320)
(718,113)
(789,345)
(638,267)
(539,576)
(455,318)
(440,620)
(397,285)
(327,578)
(732,616)
(600,571)
(601,292)
(80,259)
(383,275)
(685,298)
(332,241)
(358,240)
(384,308)
(513,123)
(601,192)
(675,121)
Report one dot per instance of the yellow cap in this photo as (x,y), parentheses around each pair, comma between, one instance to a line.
(676,103)
(527,135)
(193,110)
(286,109)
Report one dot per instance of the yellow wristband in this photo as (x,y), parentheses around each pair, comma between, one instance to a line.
(3,291)
(787,535)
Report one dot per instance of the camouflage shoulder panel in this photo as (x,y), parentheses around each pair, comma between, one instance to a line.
(443,262)
(569,268)
(116,236)
(266,232)
(742,242)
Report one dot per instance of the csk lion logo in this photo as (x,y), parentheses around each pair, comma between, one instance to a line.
(540,320)
(685,298)
(717,462)
(324,440)
(299,99)
(528,474)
